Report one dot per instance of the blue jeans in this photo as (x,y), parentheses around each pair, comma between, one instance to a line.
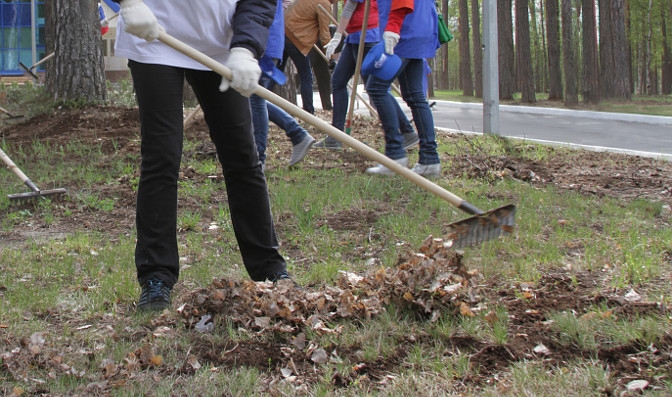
(410,83)
(302,64)
(159,91)
(343,72)
(262,112)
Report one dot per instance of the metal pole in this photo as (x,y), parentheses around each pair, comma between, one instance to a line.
(33,43)
(490,69)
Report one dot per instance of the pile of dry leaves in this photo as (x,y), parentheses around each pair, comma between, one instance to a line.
(430,281)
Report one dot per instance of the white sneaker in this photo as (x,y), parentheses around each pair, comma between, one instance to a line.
(427,170)
(382,170)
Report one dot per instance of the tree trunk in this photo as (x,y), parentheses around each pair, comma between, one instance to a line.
(647,64)
(444,81)
(524,71)
(465,59)
(666,71)
(590,86)
(478,52)
(507,70)
(606,80)
(569,58)
(77,72)
(621,52)
(553,39)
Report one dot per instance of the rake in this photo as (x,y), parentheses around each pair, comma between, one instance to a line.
(481,227)
(35,192)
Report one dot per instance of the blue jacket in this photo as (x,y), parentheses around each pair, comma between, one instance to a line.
(419,37)
(276,34)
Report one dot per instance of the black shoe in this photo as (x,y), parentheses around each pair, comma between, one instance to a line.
(281,275)
(155,295)
(410,140)
(329,143)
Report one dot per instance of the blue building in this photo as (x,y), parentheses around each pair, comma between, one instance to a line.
(20,35)
(22,38)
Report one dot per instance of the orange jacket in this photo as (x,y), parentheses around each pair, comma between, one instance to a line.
(305,23)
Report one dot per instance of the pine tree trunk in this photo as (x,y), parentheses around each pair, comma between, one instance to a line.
(569,55)
(590,86)
(553,46)
(507,70)
(444,80)
(77,71)
(524,71)
(606,79)
(621,52)
(478,52)
(666,69)
(465,59)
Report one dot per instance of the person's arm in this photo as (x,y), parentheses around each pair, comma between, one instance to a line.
(346,14)
(323,22)
(250,34)
(139,20)
(391,34)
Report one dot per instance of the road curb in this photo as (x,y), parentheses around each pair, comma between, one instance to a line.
(633,118)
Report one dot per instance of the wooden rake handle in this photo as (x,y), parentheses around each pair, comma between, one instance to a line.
(325,127)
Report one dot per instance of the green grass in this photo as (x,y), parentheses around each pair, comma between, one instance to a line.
(78,288)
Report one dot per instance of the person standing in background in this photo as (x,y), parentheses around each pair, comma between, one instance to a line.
(411,32)
(263,111)
(305,26)
(351,22)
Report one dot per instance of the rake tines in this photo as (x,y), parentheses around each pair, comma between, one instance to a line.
(483,227)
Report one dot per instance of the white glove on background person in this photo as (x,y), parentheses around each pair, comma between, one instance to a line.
(245,72)
(139,20)
(333,43)
(391,39)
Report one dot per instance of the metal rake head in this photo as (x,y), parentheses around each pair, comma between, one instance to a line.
(484,227)
(35,194)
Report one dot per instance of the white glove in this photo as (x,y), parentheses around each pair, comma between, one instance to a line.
(104,23)
(245,72)
(333,43)
(391,39)
(139,20)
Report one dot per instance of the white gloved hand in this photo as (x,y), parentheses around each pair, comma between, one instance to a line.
(139,20)
(333,43)
(245,72)
(391,39)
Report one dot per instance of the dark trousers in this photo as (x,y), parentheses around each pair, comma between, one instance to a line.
(159,91)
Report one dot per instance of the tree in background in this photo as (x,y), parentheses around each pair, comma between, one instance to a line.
(606,78)
(524,71)
(590,85)
(476,44)
(667,52)
(77,72)
(553,50)
(465,59)
(507,70)
(621,51)
(569,55)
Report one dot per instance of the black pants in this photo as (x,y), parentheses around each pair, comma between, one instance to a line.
(159,92)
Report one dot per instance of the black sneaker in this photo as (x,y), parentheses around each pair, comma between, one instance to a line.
(281,275)
(329,143)
(410,140)
(155,295)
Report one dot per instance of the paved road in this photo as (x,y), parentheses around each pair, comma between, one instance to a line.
(649,136)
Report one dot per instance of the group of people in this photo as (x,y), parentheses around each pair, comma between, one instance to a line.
(236,34)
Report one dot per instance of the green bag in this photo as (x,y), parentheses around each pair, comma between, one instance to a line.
(444,33)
